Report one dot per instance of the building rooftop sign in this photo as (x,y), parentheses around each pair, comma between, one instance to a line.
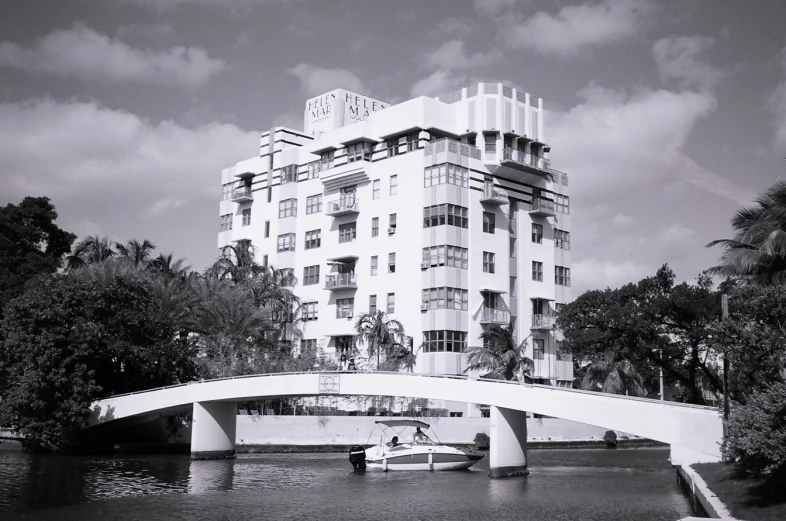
(338,108)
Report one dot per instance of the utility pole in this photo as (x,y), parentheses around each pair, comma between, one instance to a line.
(725,316)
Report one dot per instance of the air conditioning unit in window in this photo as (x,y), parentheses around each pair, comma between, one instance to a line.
(425,265)
(391,230)
(346,314)
(424,307)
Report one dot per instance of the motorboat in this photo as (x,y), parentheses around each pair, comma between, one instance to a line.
(416,451)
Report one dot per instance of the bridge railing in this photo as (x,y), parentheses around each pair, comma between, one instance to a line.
(427,375)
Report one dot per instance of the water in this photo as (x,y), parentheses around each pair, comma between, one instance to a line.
(564,484)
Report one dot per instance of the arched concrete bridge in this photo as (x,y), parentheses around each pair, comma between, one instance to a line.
(693,432)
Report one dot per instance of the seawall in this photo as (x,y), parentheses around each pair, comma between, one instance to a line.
(704,500)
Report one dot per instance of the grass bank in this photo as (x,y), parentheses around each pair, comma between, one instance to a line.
(746,499)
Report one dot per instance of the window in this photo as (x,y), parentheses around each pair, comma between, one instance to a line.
(441,214)
(444,341)
(246,216)
(452,256)
(375,227)
(374,265)
(326,160)
(267,229)
(392,224)
(226,222)
(490,141)
(562,204)
(537,271)
(488,262)
(375,189)
(264,260)
(313,170)
(347,232)
(345,344)
(537,233)
(288,174)
(561,239)
(561,276)
(286,242)
(372,304)
(314,204)
(308,345)
(393,185)
(226,191)
(311,275)
(488,222)
(391,303)
(313,239)
(446,173)
(538,348)
(345,307)
(359,152)
(512,247)
(412,141)
(391,263)
(446,298)
(392,145)
(309,311)
(287,208)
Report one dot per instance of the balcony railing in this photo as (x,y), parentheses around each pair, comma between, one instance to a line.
(523,161)
(494,195)
(242,195)
(494,316)
(544,322)
(341,281)
(543,207)
(451,145)
(342,206)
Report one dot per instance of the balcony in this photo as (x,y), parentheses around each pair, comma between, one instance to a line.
(341,281)
(543,322)
(494,195)
(242,195)
(543,208)
(494,316)
(525,162)
(342,206)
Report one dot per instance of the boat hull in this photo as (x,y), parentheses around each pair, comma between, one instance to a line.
(429,462)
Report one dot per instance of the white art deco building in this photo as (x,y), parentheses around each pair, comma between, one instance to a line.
(443,212)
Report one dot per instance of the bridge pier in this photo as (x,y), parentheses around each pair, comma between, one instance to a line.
(508,447)
(213,430)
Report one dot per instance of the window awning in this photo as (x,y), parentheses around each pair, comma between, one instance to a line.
(343,259)
(491,290)
(324,147)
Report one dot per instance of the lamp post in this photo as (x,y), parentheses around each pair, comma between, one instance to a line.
(725,316)
(661,374)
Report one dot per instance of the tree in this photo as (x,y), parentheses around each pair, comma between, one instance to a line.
(30,244)
(612,374)
(380,335)
(169,266)
(757,253)
(500,356)
(90,250)
(68,341)
(137,252)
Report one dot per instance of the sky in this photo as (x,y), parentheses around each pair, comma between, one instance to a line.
(668,116)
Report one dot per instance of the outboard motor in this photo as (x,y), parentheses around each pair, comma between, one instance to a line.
(357,456)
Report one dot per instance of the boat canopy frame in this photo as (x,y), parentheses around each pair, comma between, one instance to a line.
(403,424)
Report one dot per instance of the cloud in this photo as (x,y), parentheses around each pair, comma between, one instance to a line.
(152,32)
(777,105)
(169,5)
(315,80)
(591,273)
(438,82)
(451,55)
(622,220)
(576,27)
(642,136)
(88,55)
(455,26)
(493,7)
(678,58)
(164,205)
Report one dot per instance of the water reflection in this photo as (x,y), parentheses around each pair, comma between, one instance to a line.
(564,484)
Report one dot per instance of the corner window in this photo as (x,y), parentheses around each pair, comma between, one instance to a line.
(287,208)
(286,242)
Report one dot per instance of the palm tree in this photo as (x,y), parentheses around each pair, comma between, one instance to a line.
(235,262)
(757,253)
(379,334)
(167,265)
(611,374)
(500,356)
(90,250)
(138,252)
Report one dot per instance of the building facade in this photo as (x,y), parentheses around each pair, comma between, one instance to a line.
(444,213)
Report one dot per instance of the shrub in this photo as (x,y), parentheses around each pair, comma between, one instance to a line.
(756,439)
(482,440)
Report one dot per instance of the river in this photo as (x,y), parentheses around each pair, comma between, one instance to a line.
(564,484)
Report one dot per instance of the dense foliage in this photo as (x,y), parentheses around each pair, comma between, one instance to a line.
(30,244)
(500,356)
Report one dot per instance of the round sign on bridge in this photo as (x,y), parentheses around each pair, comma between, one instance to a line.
(329,384)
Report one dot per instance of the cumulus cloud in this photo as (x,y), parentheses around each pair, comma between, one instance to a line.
(452,55)
(576,27)
(438,82)
(163,205)
(680,58)
(89,55)
(315,80)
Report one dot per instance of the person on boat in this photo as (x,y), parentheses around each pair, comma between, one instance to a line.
(419,437)
(393,442)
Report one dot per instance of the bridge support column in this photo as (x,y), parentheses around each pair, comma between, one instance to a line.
(508,450)
(213,430)
(684,456)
